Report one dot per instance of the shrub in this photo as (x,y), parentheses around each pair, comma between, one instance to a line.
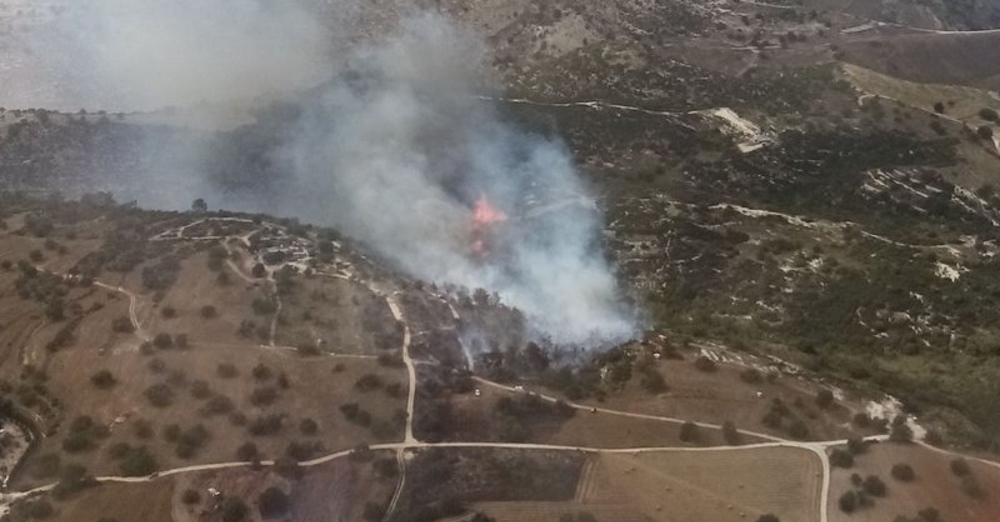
(163,341)
(903,472)
(226,370)
(856,446)
(142,429)
(122,325)
(266,425)
(368,382)
(119,450)
(768,518)
(689,432)
(77,442)
(156,365)
(273,503)
(159,395)
(848,502)
(259,271)
(218,405)
(190,496)
(874,486)
(209,312)
(233,509)
(900,433)
(103,380)
(261,372)
(171,433)
(263,306)
(168,312)
(39,509)
(247,452)
(730,433)
(308,427)
(824,399)
(705,364)
(960,467)
(841,458)
(929,515)
(988,114)
(751,375)
(200,389)
(140,462)
(263,396)
(970,486)
(652,381)
(985,132)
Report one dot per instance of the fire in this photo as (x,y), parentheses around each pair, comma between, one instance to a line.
(484,215)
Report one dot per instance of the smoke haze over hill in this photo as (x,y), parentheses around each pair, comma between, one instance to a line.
(395,149)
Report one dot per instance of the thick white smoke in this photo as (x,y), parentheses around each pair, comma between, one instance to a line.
(394,149)
(398,153)
(141,55)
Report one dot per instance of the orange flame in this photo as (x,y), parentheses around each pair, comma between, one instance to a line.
(484,213)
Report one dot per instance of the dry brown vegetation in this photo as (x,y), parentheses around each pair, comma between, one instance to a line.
(935,486)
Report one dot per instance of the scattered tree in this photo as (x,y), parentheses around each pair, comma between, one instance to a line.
(903,472)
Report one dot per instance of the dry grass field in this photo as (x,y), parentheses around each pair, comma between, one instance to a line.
(719,396)
(148,502)
(326,313)
(316,387)
(584,429)
(934,487)
(671,486)
(195,288)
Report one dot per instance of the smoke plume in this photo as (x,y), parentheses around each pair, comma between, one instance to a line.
(392,146)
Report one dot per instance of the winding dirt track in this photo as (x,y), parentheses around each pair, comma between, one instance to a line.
(410,442)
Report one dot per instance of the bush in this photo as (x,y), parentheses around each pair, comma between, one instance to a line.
(209,312)
(263,396)
(841,459)
(226,370)
(368,382)
(261,372)
(308,427)
(903,472)
(103,380)
(856,446)
(273,503)
(122,325)
(988,114)
(168,312)
(259,271)
(768,518)
(985,132)
(689,432)
(140,462)
(824,399)
(960,467)
(159,395)
(730,433)
(200,389)
(190,496)
(39,509)
(751,375)
(233,509)
(247,452)
(218,405)
(848,502)
(163,341)
(900,433)
(705,364)
(874,486)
